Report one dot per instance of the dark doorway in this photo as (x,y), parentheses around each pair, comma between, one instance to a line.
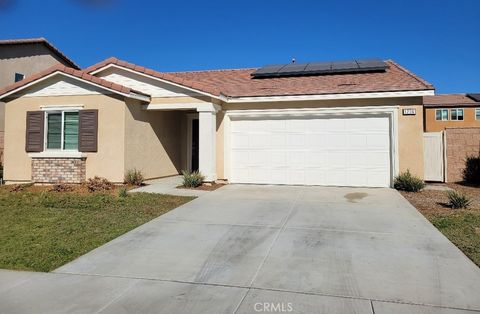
(195,145)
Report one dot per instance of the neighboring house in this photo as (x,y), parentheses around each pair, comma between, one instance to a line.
(23,57)
(353,123)
(451,111)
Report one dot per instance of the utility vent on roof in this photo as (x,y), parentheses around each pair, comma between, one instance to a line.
(319,68)
(475,97)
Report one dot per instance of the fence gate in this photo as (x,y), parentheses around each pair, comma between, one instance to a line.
(433,156)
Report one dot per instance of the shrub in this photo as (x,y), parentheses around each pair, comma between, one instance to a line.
(192,179)
(134,177)
(96,184)
(405,181)
(471,173)
(122,192)
(61,188)
(458,200)
(20,187)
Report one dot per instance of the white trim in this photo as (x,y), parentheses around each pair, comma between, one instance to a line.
(62,107)
(57,154)
(198,106)
(111,65)
(390,111)
(131,95)
(51,110)
(329,96)
(456,110)
(190,118)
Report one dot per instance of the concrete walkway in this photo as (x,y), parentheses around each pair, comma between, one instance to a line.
(168,185)
(248,249)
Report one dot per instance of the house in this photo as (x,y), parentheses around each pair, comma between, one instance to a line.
(23,57)
(356,123)
(451,111)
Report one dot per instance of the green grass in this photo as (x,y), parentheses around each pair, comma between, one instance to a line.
(41,230)
(463,229)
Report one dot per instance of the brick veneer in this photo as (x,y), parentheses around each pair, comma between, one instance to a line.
(461,143)
(58,170)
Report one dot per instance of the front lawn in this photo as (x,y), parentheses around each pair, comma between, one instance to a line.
(461,226)
(42,230)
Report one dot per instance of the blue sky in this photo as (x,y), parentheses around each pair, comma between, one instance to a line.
(438,40)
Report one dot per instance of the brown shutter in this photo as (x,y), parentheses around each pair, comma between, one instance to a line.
(35,128)
(87,130)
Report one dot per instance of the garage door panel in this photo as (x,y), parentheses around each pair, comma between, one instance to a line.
(239,140)
(312,151)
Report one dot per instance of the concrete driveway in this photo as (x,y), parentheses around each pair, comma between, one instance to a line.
(254,249)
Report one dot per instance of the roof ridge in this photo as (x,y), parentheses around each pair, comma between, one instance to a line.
(424,82)
(40,40)
(211,70)
(79,74)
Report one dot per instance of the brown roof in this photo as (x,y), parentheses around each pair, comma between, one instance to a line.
(73,72)
(239,83)
(449,100)
(43,41)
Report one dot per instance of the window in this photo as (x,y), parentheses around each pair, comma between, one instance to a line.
(62,130)
(456,114)
(441,114)
(19,77)
(477,113)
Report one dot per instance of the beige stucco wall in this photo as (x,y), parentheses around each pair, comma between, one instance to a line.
(153,141)
(410,128)
(108,162)
(25,59)
(410,141)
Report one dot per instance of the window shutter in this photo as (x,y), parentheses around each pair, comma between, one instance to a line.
(35,129)
(87,130)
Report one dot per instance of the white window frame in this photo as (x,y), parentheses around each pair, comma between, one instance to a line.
(441,115)
(54,110)
(456,110)
(477,113)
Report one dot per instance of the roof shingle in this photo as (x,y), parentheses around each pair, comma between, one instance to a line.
(76,73)
(239,83)
(448,100)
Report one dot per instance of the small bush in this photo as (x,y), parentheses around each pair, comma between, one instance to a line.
(471,173)
(134,177)
(61,188)
(122,192)
(96,184)
(458,200)
(20,187)
(192,179)
(405,181)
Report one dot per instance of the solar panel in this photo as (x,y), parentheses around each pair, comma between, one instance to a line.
(344,66)
(292,68)
(319,68)
(475,97)
(315,67)
(269,70)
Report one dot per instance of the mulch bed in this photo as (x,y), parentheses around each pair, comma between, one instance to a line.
(436,202)
(203,187)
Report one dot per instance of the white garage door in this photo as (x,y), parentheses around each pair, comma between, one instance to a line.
(346,151)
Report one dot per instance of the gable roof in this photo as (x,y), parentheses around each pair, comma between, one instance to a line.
(77,74)
(239,83)
(449,100)
(43,41)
